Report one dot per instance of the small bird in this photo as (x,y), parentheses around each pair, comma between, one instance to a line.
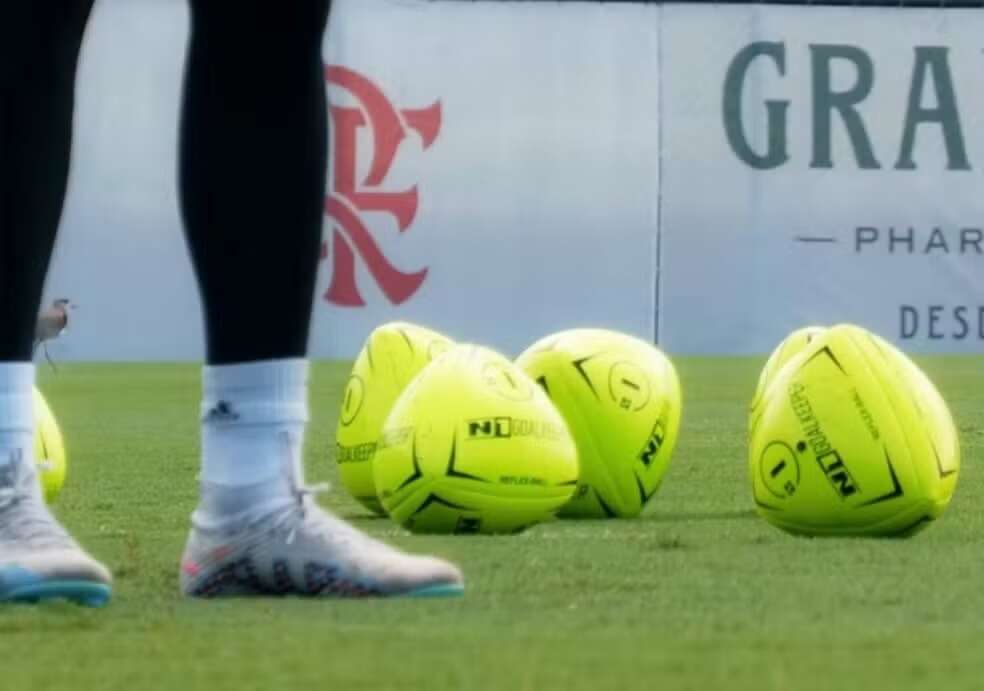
(52,322)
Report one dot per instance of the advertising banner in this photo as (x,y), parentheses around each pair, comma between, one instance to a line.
(716,175)
(821,165)
(495,174)
(496,169)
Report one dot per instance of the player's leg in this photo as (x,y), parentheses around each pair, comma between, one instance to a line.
(39,45)
(253,166)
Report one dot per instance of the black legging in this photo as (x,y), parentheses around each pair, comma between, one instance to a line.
(252,165)
(39,45)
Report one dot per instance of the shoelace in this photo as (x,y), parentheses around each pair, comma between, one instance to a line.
(19,487)
(305,511)
(306,514)
(25,519)
(298,515)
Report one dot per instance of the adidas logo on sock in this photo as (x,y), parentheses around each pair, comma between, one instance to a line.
(221,412)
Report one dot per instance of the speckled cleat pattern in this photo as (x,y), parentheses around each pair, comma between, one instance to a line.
(303,550)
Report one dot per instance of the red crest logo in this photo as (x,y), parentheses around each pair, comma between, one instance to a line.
(351,198)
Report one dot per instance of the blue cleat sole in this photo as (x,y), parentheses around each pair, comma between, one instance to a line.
(81,592)
(455,590)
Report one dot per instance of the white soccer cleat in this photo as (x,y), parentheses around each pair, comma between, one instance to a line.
(38,558)
(301,549)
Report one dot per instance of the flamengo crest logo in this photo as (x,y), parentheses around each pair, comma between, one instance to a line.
(351,198)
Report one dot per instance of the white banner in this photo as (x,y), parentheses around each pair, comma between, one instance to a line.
(822,165)
(495,175)
(502,157)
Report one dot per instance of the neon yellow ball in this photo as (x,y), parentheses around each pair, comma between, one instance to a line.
(621,399)
(473,445)
(851,438)
(391,357)
(49,449)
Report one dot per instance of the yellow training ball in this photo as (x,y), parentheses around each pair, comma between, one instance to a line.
(851,438)
(391,357)
(784,352)
(620,397)
(473,445)
(49,449)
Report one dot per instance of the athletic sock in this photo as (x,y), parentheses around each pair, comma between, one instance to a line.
(16,412)
(253,418)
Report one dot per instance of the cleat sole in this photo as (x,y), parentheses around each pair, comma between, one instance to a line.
(84,593)
(443,590)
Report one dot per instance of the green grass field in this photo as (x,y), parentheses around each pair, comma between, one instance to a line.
(697,594)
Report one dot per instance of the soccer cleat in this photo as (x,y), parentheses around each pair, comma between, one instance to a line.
(38,558)
(300,549)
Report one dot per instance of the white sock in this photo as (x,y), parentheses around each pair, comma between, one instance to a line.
(253,418)
(16,412)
